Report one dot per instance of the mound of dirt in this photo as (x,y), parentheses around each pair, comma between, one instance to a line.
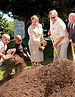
(17,63)
(56,79)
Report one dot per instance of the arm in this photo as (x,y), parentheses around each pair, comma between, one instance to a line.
(61,30)
(11,51)
(59,40)
(73,44)
(28,56)
(2,56)
(49,32)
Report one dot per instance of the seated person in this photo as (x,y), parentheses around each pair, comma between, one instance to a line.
(16,61)
(3,47)
(20,48)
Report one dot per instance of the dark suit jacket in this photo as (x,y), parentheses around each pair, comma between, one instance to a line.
(73,32)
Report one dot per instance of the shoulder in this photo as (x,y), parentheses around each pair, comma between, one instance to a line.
(40,25)
(1,43)
(69,23)
(5,47)
(61,22)
(30,28)
(23,45)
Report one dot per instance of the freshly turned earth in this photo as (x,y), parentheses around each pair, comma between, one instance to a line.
(56,79)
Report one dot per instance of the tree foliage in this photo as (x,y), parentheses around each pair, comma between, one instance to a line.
(11,29)
(3,25)
(6,27)
(24,9)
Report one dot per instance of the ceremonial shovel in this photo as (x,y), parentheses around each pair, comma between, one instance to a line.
(73,53)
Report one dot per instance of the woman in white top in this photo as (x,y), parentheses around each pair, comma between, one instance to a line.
(35,32)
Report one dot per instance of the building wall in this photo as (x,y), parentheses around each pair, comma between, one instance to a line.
(19,28)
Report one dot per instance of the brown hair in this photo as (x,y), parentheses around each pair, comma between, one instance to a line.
(35,17)
(18,37)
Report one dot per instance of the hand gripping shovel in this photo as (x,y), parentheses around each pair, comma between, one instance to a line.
(54,46)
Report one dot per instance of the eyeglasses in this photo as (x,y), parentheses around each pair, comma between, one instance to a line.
(52,17)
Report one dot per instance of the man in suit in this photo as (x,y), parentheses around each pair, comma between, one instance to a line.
(71,29)
(71,26)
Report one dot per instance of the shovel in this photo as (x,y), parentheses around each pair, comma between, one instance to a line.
(73,53)
(54,46)
(9,54)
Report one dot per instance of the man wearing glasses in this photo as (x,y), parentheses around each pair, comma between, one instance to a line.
(59,34)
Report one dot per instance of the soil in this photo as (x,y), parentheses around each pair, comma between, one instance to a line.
(17,63)
(56,79)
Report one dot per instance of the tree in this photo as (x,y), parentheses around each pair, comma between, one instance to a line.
(3,25)
(24,9)
(11,29)
(6,27)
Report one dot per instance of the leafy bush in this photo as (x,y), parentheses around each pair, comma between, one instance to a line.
(6,27)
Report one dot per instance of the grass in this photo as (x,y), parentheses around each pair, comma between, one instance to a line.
(48,55)
(1,71)
(1,74)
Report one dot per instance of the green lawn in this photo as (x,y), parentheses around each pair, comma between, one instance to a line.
(48,55)
(1,74)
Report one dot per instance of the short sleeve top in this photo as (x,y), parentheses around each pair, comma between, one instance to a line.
(2,46)
(58,29)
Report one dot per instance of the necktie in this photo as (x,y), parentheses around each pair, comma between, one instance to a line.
(70,32)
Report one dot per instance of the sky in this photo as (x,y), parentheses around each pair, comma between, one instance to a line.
(7,17)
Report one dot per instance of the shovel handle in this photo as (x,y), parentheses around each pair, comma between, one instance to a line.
(72,46)
(53,45)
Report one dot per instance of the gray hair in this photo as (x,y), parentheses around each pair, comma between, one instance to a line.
(72,15)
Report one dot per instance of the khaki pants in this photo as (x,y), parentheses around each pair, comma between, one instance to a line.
(62,51)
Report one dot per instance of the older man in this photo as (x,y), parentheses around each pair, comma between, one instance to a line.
(59,34)
(71,30)
(71,27)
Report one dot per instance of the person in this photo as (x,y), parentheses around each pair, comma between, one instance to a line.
(74,44)
(35,32)
(71,23)
(21,50)
(16,61)
(71,28)
(59,34)
(3,46)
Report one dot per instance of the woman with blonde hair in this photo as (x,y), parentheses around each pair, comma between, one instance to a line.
(35,32)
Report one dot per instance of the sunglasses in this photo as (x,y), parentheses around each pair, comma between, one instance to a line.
(52,17)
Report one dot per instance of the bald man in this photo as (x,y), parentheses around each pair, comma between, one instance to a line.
(59,34)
